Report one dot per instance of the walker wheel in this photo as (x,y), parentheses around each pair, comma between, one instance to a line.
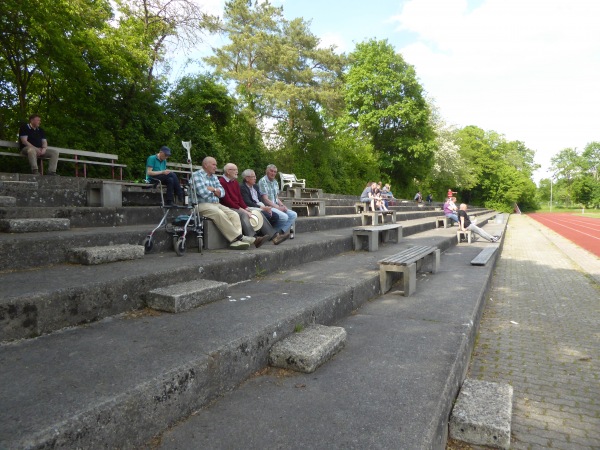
(148,244)
(200,244)
(179,246)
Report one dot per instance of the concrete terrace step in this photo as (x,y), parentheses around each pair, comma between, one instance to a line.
(7,201)
(90,256)
(34,225)
(185,296)
(149,371)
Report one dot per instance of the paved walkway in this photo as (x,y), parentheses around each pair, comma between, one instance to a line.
(540,333)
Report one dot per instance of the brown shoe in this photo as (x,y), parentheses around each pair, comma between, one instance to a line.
(259,240)
(280,238)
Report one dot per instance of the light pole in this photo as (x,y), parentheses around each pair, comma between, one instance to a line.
(551,178)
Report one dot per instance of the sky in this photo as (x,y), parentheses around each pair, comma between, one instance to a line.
(527,69)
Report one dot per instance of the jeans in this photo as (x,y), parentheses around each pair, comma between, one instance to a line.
(452,217)
(286,219)
(172,183)
(31,153)
(475,229)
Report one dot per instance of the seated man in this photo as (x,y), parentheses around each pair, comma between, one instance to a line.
(252,198)
(33,143)
(366,197)
(268,184)
(156,167)
(450,210)
(233,199)
(208,192)
(465,224)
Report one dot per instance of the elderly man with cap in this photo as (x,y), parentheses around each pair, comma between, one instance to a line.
(251,220)
(156,168)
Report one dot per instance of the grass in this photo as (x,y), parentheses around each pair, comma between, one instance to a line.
(595,213)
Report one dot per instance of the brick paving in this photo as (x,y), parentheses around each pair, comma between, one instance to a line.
(540,333)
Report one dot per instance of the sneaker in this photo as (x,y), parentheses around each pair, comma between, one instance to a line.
(259,240)
(35,172)
(51,174)
(291,233)
(280,238)
(248,239)
(239,245)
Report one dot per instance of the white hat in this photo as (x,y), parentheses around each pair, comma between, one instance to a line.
(256,219)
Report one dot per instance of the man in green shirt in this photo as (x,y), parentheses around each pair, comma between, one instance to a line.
(156,168)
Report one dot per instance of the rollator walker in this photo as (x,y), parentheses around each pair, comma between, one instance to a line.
(180,225)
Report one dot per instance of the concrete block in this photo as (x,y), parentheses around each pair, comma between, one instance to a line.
(213,238)
(104,254)
(33,225)
(185,296)
(308,349)
(8,201)
(482,414)
(106,194)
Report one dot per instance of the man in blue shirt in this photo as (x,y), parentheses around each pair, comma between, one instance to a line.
(34,145)
(156,167)
(268,184)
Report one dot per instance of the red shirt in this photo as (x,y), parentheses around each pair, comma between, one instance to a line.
(233,196)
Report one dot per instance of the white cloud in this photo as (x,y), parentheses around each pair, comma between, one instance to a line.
(525,68)
(333,39)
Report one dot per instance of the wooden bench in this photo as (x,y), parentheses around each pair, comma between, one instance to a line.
(317,207)
(389,233)
(300,192)
(467,234)
(374,216)
(290,180)
(484,256)
(407,262)
(76,154)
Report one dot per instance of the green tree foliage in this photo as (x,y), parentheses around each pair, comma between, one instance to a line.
(206,114)
(503,170)
(385,100)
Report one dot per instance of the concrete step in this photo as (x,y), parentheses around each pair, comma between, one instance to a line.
(482,414)
(308,349)
(187,295)
(104,254)
(152,370)
(165,366)
(6,201)
(34,225)
(86,217)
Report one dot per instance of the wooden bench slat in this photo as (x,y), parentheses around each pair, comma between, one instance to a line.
(405,262)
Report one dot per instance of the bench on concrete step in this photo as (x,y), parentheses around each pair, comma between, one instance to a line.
(482,414)
(187,295)
(360,207)
(306,350)
(484,256)
(34,225)
(407,262)
(316,207)
(466,235)
(104,254)
(107,159)
(375,215)
(291,181)
(442,221)
(391,232)
(300,192)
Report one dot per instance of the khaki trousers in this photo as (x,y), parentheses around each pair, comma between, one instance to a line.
(31,153)
(226,219)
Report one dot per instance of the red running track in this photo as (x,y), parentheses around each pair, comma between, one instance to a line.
(583,231)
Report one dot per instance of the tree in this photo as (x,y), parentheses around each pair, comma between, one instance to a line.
(384,99)
(591,159)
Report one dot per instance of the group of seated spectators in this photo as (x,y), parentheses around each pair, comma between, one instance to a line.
(461,217)
(229,204)
(376,197)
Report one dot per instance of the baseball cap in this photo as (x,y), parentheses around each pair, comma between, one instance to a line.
(166,150)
